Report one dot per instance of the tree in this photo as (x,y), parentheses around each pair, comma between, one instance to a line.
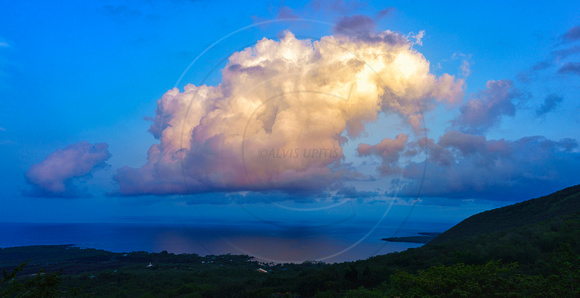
(41,285)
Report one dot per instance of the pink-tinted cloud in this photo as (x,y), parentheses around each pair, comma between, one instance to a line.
(462,165)
(486,110)
(389,150)
(281,114)
(57,174)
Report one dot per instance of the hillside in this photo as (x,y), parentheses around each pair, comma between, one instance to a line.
(534,211)
(538,238)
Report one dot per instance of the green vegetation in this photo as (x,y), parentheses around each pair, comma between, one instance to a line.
(530,249)
(38,285)
(492,279)
(530,212)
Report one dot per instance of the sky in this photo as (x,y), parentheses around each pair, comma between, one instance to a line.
(314,111)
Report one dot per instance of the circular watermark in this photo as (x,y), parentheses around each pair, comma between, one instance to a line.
(318,155)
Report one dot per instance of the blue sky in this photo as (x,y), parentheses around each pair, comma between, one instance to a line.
(73,75)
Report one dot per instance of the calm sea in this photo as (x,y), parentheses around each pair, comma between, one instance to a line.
(266,242)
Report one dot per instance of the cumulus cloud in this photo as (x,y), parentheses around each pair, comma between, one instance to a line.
(277,101)
(550,103)
(486,110)
(58,174)
(461,165)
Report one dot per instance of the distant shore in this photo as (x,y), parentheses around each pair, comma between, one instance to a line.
(423,238)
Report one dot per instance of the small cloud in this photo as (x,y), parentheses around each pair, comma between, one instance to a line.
(487,109)
(570,67)
(4,44)
(389,150)
(572,35)
(336,6)
(2,129)
(363,28)
(57,175)
(417,37)
(550,103)
(530,74)
(466,63)
(355,25)
(564,53)
(541,65)
(556,56)
(287,13)
(465,68)
(384,13)
(281,12)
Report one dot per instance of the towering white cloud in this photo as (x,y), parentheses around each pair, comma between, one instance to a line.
(277,96)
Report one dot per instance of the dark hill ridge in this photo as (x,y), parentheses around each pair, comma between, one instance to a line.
(534,211)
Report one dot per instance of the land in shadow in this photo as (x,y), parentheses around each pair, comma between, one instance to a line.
(529,249)
(423,237)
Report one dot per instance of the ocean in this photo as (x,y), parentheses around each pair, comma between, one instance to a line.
(266,242)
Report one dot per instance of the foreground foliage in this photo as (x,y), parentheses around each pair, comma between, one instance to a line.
(40,284)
